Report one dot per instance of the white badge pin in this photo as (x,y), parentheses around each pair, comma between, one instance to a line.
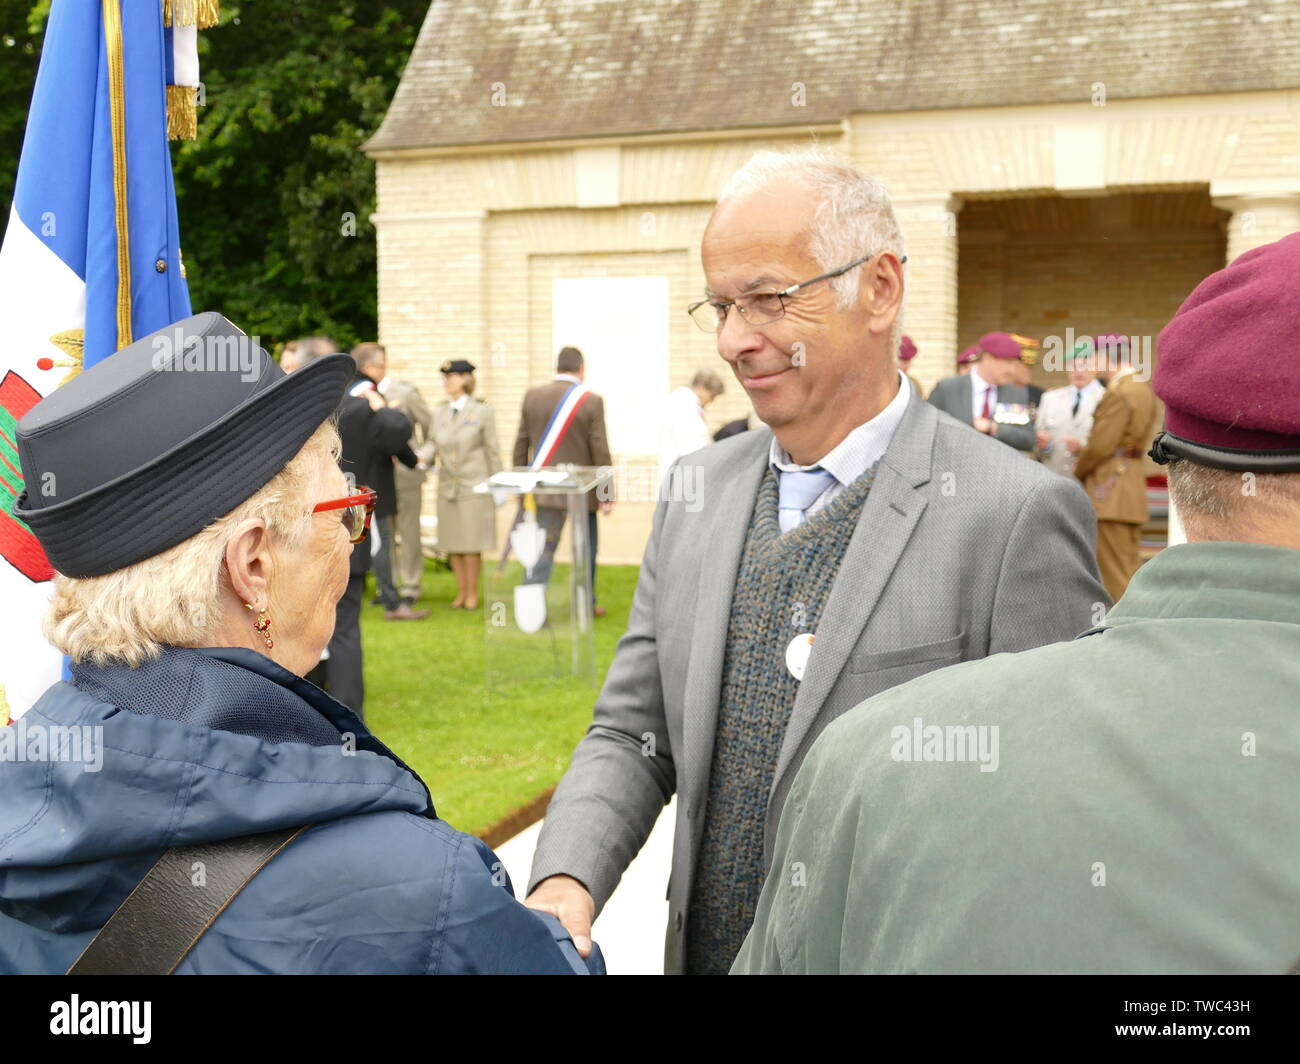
(796,654)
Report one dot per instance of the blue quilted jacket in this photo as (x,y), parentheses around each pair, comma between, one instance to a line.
(201,745)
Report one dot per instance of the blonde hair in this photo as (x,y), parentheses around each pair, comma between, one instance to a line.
(174,598)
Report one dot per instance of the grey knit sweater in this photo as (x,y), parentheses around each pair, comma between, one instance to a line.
(781,589)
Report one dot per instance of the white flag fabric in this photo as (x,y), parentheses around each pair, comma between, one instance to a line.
(91,258)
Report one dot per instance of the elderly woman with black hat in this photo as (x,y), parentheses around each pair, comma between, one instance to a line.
(238,819)
(465,434)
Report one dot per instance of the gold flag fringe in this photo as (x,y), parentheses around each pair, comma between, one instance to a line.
(203,13)
(182,112)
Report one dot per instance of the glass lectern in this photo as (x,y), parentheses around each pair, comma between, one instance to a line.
(538,609)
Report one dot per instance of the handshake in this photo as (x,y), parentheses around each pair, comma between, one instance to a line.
(569,902)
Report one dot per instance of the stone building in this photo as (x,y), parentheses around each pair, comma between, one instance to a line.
(546,170)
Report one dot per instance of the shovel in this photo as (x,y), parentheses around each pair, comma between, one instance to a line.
(528,541)
(530,607)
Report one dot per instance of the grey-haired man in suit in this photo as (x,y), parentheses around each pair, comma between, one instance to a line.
(860,515)
(990,399)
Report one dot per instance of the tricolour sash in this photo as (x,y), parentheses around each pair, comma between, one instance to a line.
(561,418)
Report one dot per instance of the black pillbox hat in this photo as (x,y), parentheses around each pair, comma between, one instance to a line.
(151,445)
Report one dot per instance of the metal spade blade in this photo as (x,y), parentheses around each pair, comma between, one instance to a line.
(530,607)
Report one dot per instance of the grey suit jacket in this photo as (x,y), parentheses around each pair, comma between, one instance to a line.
(962,550)
(953,396)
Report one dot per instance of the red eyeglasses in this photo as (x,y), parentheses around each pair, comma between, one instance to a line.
(357,511)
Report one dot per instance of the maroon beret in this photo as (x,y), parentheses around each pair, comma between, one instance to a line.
(1228,369)
(1114,341)
(971,354)
(906,349)
(1000,345)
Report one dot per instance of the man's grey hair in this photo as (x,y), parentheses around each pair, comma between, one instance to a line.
(854,218)
(311,348)
(708,380)
(1224,504)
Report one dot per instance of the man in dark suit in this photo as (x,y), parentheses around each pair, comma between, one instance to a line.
(987,398)
(372,368)
(372,435)
(583,444)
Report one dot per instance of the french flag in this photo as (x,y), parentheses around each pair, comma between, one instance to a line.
(90,260)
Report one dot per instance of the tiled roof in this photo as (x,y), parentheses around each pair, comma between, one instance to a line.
(490,71)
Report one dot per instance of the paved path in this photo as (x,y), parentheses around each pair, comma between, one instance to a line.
(631,927)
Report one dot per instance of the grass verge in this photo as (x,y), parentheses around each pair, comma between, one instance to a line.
(485,753)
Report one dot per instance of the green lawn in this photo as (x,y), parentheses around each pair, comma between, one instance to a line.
(483,753)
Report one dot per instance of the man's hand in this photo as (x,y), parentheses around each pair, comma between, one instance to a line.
(606,507)
(1044,439)
(375,400)
(571,903)
(1073,444)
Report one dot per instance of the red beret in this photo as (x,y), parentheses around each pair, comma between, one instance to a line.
(906,349)
(1000,345)
(971,354)
(1228,370)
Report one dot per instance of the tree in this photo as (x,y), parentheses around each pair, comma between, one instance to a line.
(275,196)
(22,26)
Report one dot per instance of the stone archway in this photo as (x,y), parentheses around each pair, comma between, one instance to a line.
(1052,265)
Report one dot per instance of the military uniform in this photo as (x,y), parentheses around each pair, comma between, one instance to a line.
(1110,466)
(466,445)
(1066,412)
(408,559)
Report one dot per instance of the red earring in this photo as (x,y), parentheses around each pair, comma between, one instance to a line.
(262,625)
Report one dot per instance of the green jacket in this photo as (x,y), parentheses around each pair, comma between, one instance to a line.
(1137,809)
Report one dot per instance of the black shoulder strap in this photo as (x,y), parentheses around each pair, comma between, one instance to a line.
(166,914)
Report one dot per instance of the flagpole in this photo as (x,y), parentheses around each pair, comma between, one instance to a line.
(117,120)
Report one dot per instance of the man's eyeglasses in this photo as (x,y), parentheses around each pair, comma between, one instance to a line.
(761,308)
(357,511)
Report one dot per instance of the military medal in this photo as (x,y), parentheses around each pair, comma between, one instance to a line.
(1011,414)
(796,654)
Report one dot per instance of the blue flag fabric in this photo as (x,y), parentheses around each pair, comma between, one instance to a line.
(94,175)
(66,180)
